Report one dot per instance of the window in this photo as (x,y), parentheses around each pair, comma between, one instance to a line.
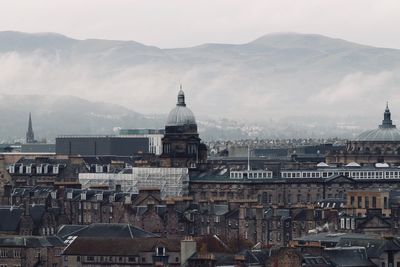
(176,259)
(385,202)
(11,168)
(17,253)
(160,251)
(55,169)
(90,258)
(352,201)
(130,259)
(359,201)
(99,168)
(367,202)
(3,253)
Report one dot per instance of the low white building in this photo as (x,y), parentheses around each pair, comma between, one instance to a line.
(170,181)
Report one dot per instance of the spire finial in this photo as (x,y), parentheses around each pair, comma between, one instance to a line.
(181,97)
(30,136)
(387,121)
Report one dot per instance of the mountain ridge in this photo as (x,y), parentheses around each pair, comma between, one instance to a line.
(272,77)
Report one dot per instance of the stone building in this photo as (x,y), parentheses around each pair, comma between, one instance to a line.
(31,251)
(182,146)
(123,252)
(372,146)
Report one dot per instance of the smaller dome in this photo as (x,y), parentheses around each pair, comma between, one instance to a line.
(387,131)
(180,115)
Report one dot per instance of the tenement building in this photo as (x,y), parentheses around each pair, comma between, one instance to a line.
(378,145)
(182,146)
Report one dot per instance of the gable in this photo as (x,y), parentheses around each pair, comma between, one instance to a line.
(340,179)
(375,222)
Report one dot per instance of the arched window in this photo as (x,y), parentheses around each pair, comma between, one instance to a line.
(264,198)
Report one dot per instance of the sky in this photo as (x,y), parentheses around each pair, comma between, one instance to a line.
(183,23)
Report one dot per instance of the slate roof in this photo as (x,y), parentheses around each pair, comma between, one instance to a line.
(10,218)
(374,247)
(103,230)
(333,238)
(105,160)
(348,256)
(311,261)
(120,247)
(30,241)
(255,257)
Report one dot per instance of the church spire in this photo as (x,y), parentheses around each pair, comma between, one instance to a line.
(181,97)
(30,136)
(387,122)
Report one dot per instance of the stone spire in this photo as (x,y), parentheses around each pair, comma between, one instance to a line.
(181,98)
(387,122)
(30,136)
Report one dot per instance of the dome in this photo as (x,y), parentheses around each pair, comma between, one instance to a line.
(387,132)
(379,135)
(180,115)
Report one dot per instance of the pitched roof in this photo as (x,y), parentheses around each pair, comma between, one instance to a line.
(348,256)
(103,230)
(10,218)
(30,241)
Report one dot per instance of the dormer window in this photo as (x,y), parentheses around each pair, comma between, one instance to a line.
(29,169)
(99,168)
(160,251)
(69,195)
(83,196)
(46,169)
(99,197)
(56,169)
(39,169)
(21,168)
(11,168)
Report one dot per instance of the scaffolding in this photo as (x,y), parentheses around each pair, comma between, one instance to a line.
(171,182)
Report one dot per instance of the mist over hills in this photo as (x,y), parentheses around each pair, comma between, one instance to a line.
(284,84)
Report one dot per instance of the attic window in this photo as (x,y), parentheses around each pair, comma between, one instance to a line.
(160,251)
(55,169)
(11,168)
(39,169)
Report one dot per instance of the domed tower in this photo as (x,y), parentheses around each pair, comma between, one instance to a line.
(182,146)
(381,144)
